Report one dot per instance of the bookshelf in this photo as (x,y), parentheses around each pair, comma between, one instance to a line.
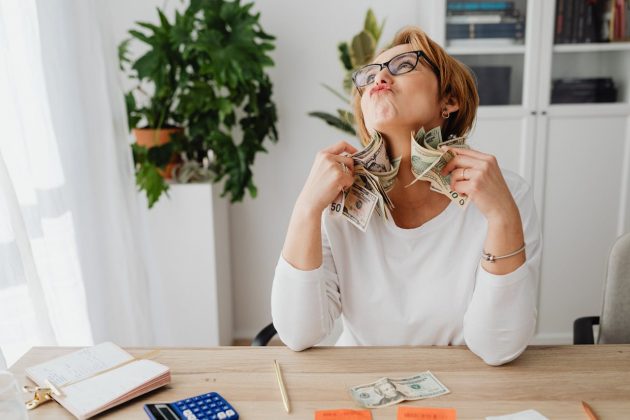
(592,47)
(554,146)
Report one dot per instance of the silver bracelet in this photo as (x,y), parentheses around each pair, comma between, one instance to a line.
(492,258)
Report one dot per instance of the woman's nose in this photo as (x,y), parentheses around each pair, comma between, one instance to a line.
(383,76)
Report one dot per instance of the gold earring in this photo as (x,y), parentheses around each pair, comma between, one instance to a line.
(445,114)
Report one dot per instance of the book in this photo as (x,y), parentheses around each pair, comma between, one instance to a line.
(94,379)
(485,30)
(453,6)
(483,42)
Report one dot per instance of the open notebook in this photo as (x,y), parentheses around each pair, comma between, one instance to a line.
(97,378)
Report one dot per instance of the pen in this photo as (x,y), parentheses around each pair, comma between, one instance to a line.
(589,411)
(283,390)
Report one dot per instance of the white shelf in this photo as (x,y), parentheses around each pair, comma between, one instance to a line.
(486,50)
(592,47)
(589,110)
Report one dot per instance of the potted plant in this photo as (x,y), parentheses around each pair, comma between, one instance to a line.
(202,76)
(352,55)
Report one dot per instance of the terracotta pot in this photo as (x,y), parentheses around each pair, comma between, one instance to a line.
(149,137)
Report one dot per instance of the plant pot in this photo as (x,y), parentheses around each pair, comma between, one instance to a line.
(150,137)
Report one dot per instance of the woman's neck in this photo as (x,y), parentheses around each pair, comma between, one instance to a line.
(414,202)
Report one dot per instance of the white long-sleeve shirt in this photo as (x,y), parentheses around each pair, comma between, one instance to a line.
(421,286)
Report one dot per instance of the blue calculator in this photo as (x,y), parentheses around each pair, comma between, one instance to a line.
(210,406)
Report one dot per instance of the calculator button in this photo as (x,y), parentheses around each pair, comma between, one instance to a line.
(222,416)
(230,413)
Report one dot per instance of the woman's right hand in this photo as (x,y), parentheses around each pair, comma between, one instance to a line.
(327,178)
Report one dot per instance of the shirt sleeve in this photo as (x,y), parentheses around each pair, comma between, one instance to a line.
(501,318)
(305,304)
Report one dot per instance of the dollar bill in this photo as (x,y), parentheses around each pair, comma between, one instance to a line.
(374,175)
(388,391)
(428,160)
(359,206)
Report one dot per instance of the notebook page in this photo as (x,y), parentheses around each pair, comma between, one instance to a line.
(95,393)
(78,365)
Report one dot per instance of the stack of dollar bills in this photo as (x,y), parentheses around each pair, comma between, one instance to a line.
(375,175)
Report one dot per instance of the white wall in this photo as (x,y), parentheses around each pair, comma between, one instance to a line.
(306,55)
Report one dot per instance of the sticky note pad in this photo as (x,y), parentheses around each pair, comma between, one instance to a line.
(426,413)
(343,414)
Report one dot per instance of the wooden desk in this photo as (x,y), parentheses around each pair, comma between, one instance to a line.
(550,379)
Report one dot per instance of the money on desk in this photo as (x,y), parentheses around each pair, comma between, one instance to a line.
(388,391)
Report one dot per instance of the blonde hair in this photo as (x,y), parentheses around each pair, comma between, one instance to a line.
(455,79)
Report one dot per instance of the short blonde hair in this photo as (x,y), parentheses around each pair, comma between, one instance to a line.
(454,79)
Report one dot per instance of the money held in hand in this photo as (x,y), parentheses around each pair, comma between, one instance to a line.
(428,160)
(388,391)
(375,175)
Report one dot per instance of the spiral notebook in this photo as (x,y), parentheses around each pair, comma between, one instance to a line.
(92,380)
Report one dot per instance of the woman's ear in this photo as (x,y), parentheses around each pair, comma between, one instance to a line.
(450,104)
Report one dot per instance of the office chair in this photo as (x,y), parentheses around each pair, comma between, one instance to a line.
(264,336)
(614,321)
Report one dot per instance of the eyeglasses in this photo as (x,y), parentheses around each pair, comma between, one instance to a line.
(400,64)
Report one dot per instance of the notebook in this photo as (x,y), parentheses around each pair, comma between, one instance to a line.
(98,378)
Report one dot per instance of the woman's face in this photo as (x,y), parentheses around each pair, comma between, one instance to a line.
(406,101)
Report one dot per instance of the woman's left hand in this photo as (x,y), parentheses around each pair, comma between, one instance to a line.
(478,176)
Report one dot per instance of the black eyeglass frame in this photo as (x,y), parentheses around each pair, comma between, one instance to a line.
(419,54)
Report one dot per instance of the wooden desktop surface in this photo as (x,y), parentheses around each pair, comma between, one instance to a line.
(550,379)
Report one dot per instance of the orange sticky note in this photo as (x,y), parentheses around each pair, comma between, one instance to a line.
(343,414)
(422,413)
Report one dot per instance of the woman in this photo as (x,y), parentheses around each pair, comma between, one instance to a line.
(419,277)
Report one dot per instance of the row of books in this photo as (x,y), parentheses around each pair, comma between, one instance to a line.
(494,21)
(584,21)
(583,90)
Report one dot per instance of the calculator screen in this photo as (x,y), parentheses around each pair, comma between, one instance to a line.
(162,412)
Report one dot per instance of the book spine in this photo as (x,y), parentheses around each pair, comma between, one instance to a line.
(568,34)
(598,19)
(580,14)
(589,26)
(557,39)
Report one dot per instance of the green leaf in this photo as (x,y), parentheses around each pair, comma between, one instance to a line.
(123,50)
(334,121)
(337,94)
(148,66)
(149,179)
(344,56)
(371,25)
(346,116)
(140,36)
(363,47)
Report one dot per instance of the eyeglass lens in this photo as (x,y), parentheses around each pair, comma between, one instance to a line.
(401,64)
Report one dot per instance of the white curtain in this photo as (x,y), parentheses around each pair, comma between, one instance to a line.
(71,262)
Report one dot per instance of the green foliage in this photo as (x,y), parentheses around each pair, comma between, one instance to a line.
(206,69)
(353,55)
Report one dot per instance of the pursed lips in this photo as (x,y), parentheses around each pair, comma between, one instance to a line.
(380,88)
